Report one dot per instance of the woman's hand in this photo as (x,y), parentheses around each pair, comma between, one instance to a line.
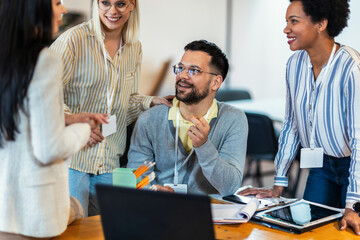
(351,219)
(273,192)
(93,119)
(95,137)
(162,100)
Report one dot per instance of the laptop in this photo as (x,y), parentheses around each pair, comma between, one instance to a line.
(128,213)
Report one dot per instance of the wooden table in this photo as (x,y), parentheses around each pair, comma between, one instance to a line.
(90,228)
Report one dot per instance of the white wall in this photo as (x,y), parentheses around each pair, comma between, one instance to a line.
(168,25)
(81,6)
(259,46)
(260,49)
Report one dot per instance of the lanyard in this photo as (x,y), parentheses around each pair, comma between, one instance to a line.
(109,97)
(312,136)
(176,173)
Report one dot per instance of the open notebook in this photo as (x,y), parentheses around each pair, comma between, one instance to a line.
(233,213)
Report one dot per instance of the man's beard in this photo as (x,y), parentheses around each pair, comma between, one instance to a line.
(194,96)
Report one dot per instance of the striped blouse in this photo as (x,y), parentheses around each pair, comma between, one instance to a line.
(86,82)
(335,100)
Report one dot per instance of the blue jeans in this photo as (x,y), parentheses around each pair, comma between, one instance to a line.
(328,185)
(82,187)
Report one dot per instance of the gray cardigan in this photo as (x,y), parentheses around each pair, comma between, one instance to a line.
(215,167)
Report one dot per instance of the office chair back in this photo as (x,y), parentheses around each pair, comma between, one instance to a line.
(232,95)
(261,145)
(262,141)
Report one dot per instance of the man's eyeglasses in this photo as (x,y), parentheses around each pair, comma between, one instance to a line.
(190,71)
(120,6)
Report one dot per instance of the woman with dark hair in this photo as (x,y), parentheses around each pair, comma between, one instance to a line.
(322,111)
(34,142)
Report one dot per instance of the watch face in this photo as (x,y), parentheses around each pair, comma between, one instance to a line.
(356,207)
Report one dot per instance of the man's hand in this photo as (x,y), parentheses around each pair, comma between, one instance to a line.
(199,132)
(350,219)
(164,189)
(273,192)
(162,100)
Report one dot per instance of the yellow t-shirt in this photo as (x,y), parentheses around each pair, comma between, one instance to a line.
(185,125)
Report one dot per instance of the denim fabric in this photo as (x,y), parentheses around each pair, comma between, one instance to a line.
(82,187)
(328,185)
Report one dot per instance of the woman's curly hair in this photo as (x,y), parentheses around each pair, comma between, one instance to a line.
(335,11)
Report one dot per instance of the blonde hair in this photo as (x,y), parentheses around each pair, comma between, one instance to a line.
(130,32)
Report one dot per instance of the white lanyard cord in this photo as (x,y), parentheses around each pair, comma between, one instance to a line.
(312,136)
(108,97)
(176,169)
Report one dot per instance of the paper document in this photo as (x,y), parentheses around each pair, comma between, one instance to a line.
(233,213)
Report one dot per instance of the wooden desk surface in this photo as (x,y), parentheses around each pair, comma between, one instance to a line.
(90,228)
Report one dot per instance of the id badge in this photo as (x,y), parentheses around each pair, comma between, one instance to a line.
(178,188)
(311,158)
(110,127)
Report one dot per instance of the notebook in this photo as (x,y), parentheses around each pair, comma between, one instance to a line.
(128,213)
(298,217)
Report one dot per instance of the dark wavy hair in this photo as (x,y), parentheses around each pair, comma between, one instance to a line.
(335,11)
(25,28)
(218,58)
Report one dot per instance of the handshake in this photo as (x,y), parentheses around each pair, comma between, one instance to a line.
(95,120)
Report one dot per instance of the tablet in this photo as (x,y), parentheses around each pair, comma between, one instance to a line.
(299,217)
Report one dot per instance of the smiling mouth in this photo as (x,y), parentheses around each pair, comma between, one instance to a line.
(113,19)
(182,86)
(291,40)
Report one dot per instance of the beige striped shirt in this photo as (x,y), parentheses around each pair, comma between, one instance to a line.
(86,82)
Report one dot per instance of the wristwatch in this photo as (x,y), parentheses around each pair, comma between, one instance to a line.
(356,207)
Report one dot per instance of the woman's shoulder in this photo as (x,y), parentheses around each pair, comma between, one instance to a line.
(134,46)
(47,57)
(48,64)
(77,32)
(350,53)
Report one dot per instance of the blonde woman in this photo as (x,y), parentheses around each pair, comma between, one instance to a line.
(102,59)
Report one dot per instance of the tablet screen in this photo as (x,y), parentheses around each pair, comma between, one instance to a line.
(300,213)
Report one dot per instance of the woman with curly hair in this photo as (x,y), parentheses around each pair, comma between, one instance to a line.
(322,110)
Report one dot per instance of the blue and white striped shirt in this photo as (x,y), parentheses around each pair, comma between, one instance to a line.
(335,99)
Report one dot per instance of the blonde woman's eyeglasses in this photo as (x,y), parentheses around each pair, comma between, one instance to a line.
(120,6)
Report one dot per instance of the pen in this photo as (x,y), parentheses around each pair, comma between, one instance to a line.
(143,168)
(136,172)
(146,180)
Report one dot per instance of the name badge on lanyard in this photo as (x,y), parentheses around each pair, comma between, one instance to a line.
(180,188)
(109,128)
(313,157)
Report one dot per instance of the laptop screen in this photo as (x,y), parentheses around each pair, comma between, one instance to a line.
(140,214)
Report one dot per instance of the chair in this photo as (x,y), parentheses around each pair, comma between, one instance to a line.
(123,159)
(261,145)
(232,94)
(154,89)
